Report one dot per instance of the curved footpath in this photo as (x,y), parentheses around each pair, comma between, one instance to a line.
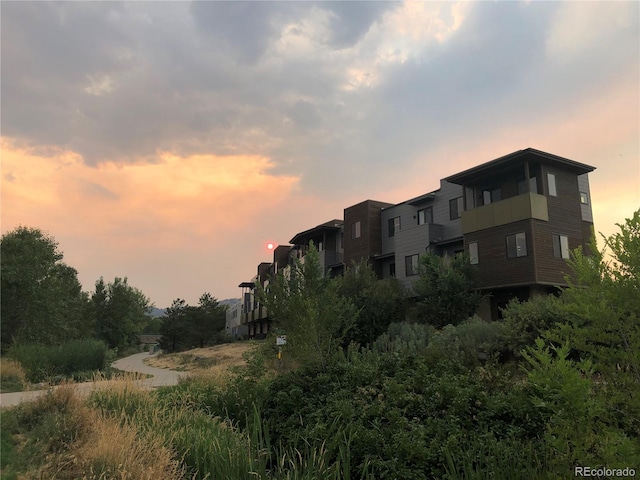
(161,378)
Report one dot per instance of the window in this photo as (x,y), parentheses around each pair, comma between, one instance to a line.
(517,245)
(490,196)
(392,269)
(560,246)
(355,230)
(584,198)
(411,264)
(551,178)
(533,186)
(425,216)
(473,253)
(394,226)
(455,208)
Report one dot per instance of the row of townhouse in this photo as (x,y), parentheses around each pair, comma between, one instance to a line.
(517,216)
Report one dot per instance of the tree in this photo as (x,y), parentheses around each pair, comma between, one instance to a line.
(379,302)
(42,299)
(174,325)
(187,326)
(120,312)
(603,302)
(445,292)
(209,319)
(305,305)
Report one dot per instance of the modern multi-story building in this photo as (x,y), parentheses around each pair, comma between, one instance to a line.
(517,216)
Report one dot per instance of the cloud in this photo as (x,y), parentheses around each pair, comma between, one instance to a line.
(165,207)
(347,100)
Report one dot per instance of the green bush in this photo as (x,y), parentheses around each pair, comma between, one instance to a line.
(404,338)
(400,413)
(46,362)
(526,321)
(472,343)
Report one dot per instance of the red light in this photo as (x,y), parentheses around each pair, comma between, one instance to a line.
(270,246)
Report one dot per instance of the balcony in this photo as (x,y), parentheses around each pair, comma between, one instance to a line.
(254,315)
(328,258)
(521,207)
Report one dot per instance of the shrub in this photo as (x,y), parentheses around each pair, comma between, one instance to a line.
(471,343)
(399,413)
(580,429)
(44,362)
(404,338)
(526,321)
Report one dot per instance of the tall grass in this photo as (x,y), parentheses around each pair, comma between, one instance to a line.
(60,437)
(212,448)
(43,362)
(12,376)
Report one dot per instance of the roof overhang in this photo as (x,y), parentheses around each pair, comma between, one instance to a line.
(481,172)
(303,238)
(247,285)
(422,199)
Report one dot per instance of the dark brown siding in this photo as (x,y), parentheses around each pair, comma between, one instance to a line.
(370,241)
(587,232)
(564,219)
(494,268)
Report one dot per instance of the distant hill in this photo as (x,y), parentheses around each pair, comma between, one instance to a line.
(158,312)
(229,301)
(162,312)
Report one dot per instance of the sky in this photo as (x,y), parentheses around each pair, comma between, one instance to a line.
(169,142)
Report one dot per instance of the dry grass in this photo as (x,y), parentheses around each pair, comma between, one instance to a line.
(204,361)
(12,372)
(92,446)
(116,451)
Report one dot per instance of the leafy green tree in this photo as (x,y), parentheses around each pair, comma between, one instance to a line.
(602,309)
(42,299)
(445,292)
(306,305)
(379,302)
(120,311)
(581,428)
(603,302)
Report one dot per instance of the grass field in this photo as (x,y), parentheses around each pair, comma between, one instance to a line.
(203,360)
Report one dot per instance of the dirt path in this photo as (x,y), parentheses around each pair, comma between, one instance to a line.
(134,363)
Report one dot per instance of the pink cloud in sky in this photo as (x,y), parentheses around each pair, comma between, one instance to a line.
(135,217)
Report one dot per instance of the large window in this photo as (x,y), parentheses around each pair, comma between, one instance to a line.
(455,208)
(394,226)
(560,246)
(517,245)
(355,229)
(473,253)
(551,180)
(411,265)
(425,216)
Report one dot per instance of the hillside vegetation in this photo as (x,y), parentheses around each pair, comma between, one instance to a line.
(553,387)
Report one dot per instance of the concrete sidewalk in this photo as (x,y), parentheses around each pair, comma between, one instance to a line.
(161,378)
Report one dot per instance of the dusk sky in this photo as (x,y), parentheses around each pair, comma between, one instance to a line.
(169,142)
